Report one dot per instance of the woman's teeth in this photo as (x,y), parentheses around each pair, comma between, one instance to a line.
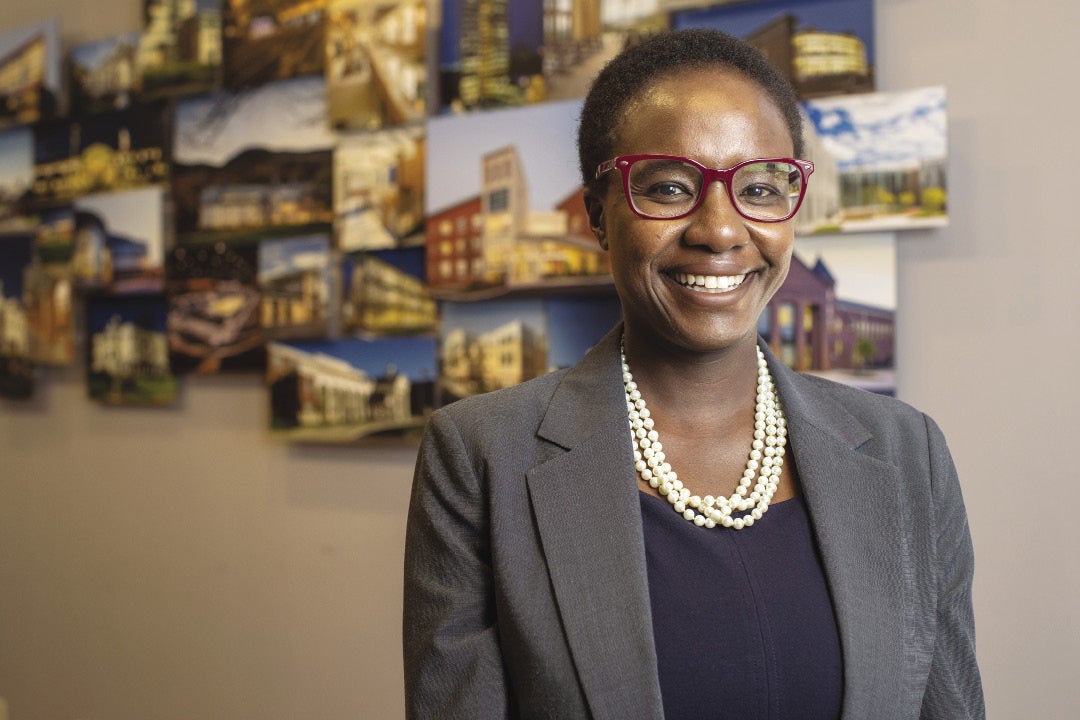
(722,283)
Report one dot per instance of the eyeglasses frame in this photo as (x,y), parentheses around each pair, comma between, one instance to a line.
(709,176)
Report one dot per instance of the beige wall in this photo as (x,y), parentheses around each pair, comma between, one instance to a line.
(175,564)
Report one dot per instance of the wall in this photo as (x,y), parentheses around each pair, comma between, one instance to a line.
(176,564)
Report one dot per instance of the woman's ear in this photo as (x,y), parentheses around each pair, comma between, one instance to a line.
(594,206)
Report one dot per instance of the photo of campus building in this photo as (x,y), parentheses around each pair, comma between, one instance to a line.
(128,353)
(381,298)
(294,286)
(29,74)
(180,47)
(105,75)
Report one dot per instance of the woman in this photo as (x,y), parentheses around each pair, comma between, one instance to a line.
(761,544)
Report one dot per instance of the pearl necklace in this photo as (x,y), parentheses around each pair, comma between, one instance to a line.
(766,458)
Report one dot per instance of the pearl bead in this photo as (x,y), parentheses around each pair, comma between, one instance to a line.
(763,462)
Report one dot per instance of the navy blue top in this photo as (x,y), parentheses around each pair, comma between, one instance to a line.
(742,619)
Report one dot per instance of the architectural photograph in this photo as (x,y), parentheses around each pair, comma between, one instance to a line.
(107,151)
(267,40)
(213,309)
(506,213)
(383,293)
(31,76)
(379,188)
(16,367)
(104,75)
(16,177)
(119,241)
(252,163)
(180,47)
(376,63)
(127,351)
(883,158)
(295,286)
(345,390)
(824,48)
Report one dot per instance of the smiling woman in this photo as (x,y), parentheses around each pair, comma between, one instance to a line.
(593,543)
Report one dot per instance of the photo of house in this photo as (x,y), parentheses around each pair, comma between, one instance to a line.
(180,47)
(127,360)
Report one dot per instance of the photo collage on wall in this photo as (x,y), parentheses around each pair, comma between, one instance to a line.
(376,204)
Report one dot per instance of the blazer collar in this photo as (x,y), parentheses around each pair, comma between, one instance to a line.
(585,499)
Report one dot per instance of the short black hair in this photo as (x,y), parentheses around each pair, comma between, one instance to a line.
(666,53)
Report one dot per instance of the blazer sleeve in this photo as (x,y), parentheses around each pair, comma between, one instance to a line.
(954,688)
(453,664)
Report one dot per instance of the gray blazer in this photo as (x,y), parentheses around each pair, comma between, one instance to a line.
(526,593)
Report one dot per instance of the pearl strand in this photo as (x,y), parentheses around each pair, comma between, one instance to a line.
(765,460)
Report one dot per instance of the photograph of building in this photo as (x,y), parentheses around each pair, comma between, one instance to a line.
(114,150)
(384,294)
(249,163)
(294,285)
(16,369)
(824,49)
(267,40)
(30,75)
(119,241)
(16,177)
(379,188)
(105,75)
(128,352)
(213,309)
(496,53)
(835,313)
(523,229)
(180,47)
(342,391)
(488,345)
(48,292)
(886,161)
(376,63)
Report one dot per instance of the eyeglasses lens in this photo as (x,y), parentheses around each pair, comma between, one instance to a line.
(668,188)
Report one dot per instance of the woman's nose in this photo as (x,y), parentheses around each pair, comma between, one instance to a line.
(716,223)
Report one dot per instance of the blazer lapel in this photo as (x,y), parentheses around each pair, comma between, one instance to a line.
(585,501)
(855,509)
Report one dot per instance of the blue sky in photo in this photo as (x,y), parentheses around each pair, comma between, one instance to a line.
(525,19)
(133,214)
(413,356)
(485,316)
(882,130)
(854,16)
(16,159)
(90,55)
(545,136)
(282,256)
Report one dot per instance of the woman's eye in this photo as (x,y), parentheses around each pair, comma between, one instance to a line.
(761,193)
(667,191)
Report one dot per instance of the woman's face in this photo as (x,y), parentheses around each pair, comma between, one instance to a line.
(718,118)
